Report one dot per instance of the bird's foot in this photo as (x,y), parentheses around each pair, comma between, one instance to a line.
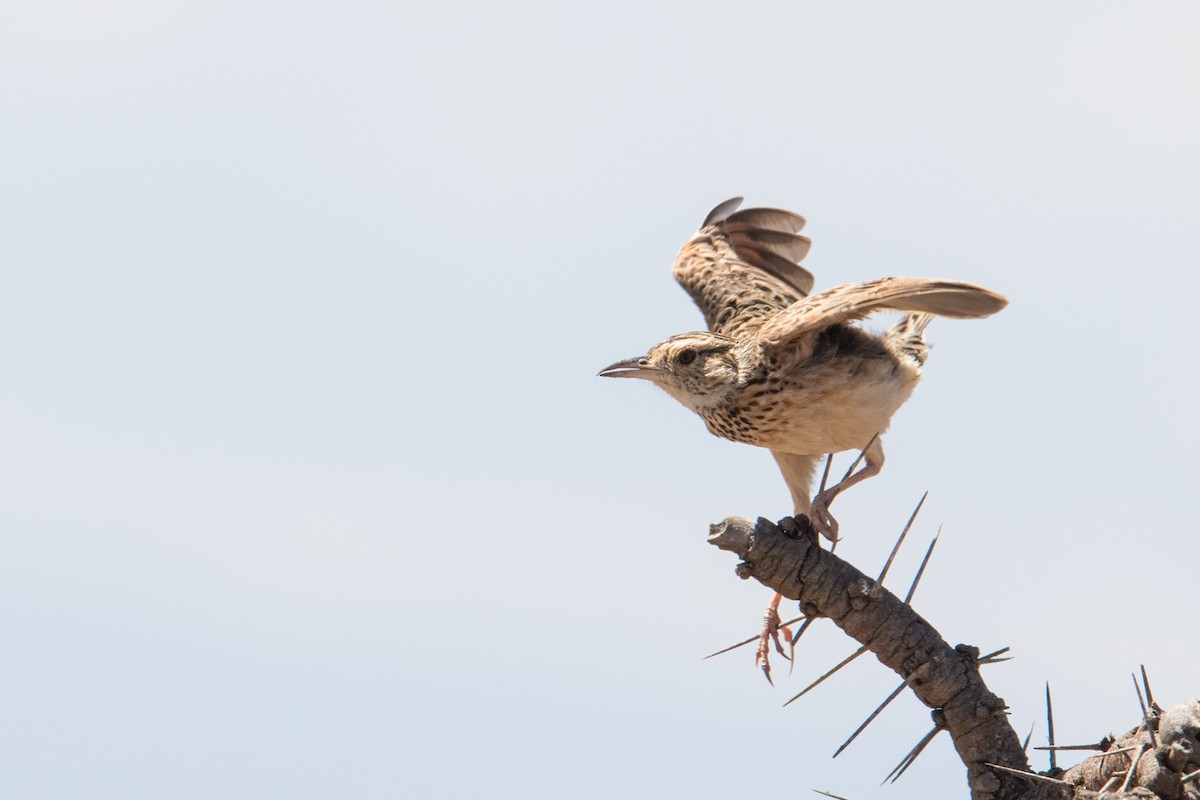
(823,521)
(770,633)
(797,527)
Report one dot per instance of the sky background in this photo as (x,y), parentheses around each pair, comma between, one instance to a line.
(308,488)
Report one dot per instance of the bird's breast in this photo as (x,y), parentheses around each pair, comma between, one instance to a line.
(815,408)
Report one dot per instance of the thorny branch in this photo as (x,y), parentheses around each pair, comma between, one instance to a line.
(788,559)
(945,678)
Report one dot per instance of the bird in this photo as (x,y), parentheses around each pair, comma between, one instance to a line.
(785,369)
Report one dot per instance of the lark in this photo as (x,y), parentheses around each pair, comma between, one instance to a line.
(785,369)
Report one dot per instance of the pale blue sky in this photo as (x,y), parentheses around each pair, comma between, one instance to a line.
(310,489)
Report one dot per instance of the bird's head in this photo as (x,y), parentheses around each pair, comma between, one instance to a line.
(700,370)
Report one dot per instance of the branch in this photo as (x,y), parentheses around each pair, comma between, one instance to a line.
(944,678)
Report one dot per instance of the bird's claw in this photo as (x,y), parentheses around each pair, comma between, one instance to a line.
(770,633)
(820,517)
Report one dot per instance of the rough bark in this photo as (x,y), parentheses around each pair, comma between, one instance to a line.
(1162,752)
(944,678)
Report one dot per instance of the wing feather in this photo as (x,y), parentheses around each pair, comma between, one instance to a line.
(794,275)
(788,245)
(857,300)
(722,211)
(771,219)
(740,267)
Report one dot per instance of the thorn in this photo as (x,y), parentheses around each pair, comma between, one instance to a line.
(800,631)
(1146,718)
(1133,767)
(870,719)
(883,573)
(1050,728)
(1108,785)
(1155,707)
(912,755)
(1096,746)
(751,639)
(1106,742)
(1028,736)
(1033,776)
(825,474)
(1141,702)
(1107,753)
(921,570)
(991,658)
(819,680)
(828,794)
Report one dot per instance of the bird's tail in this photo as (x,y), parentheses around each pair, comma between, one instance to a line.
(908,337)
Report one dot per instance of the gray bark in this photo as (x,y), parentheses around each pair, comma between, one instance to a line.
(944,678)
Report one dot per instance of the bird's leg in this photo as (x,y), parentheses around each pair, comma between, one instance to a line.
(797,473)
(822,520)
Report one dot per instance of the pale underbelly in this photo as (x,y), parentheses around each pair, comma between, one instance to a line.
(839,415)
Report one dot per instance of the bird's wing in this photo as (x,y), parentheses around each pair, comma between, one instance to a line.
(857,300)
(741,266)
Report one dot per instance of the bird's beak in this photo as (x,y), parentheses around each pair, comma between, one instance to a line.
(631,368)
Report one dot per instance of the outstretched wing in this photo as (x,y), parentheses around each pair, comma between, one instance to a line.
(741,266)
(857,300)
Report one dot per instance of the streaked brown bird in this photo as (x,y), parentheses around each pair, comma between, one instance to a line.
(785,370)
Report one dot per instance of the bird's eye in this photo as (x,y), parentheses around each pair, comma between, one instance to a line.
(687,356)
